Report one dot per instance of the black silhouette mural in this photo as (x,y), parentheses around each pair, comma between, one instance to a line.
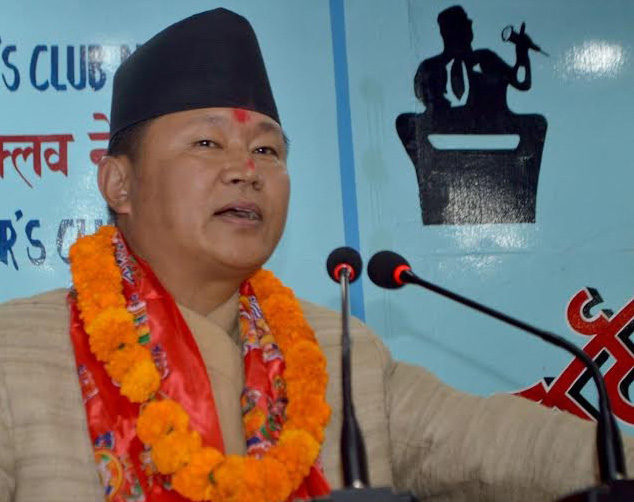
(471,186)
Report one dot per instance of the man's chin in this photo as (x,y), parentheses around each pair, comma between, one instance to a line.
(240,266)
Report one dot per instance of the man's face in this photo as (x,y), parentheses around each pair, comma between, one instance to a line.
(210,189)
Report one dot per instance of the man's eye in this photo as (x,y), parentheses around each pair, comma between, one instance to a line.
(266,150)
(209,143)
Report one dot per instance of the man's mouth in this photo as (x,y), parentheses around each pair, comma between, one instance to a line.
(241,211)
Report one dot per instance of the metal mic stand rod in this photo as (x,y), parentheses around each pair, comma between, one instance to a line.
(355,470)
(611,459)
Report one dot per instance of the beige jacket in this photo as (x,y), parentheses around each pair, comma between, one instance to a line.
(420,434)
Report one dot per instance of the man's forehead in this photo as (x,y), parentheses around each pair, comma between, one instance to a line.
(229,116)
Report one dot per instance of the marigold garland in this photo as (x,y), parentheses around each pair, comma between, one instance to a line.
(111,332)
(203,473)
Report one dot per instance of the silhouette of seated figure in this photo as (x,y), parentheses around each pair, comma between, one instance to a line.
(464,93)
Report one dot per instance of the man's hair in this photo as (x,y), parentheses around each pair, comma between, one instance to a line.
(128,142)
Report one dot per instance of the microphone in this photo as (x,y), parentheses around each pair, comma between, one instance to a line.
(344,265)
(510,35)
(386,268)
(344,258)
(390,270)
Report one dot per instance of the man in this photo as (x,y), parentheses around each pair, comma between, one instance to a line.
(196,174)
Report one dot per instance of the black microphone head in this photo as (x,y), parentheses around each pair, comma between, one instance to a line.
(344,257)
(385,268)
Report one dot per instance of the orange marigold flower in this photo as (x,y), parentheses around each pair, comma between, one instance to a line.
(297,451)
(174,450)
(283,309)
(277,486)
(109,298)
(159,418)
(107,232)
(94,270)
(87,313)
(264,284)
(238,480)
(289,338)
(308,391)
(311,388)
(90,307)
(228,476)
(122,360)
(311,418)
(254,482)
(305,356)
(193,481)
(306,380)
(141,382)
(285,319)
(109,330)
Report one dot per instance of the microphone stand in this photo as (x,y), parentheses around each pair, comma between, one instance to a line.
(355,469)
(613,487)
(355,464)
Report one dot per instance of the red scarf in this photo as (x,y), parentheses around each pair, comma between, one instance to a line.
(124,464)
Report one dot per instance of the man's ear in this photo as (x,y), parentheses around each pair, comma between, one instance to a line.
(114,178)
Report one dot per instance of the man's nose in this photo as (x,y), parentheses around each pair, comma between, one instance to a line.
(241,169)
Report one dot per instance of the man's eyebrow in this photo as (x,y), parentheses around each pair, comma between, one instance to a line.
(271,127)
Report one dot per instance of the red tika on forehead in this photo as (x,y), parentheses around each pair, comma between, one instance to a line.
(241,115)
(251,165)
